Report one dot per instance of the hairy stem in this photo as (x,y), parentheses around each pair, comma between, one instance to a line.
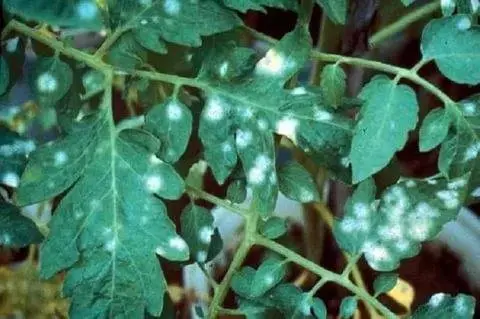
(403,23)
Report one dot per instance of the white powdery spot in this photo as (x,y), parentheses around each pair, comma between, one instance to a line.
(155,160)
(144,220)
(410,183)
(47,83)
(436,299)
(154,183)
(273,63)
(174,111)
(160,251)
(201,256)
(262,124)
(227,147)
(402,245)
(432,182)
(95,204)
(247,113)
(361,210)
(459,183)
(460,305)
(348,225)
(287,126)
(449,198)
(110,245)
(12,44)
(269,280)
(306,196)
(448,5)
(471,152)
(345,161)
(273,178)
(390,232)
(476,192)
(464,24)
(363,225)
(214,110)
(87,10)
(178,243)
(424,210)
(469,108)
(475,4)
(10,179)
(223,69)
(7,239)
(305,307)
(298,91)
(60,158)
(243,138)
(205,234)
(420,230)
(257,174)
(143,22)
(322,115)
(171,7)
(78,214)
(377,253)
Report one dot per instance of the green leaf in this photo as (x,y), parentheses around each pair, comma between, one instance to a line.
(445,306)
(296,183)
(335,9)
(333,84)
(16,230)
(388,114)
(13,156)
(126,53)
(240,117)
(51,79)
(408,2)
(109,226)
(180,22)
(72,14)
(453,43)
(448,7)
(273,227)
(237,191)
(197,230)
(250,283)
(348,307)
(353,231)
(434,129)
(4,76)
(93,81)
(171,123)
(245,5)
(291,301)
(384,283)
(319,308)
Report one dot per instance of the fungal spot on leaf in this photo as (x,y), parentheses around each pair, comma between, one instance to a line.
(154,183)
(257,174)
(10,179)
(223,69)
(60,158)
(321,115)
(272,64)
(449,198)
(471,152)
(171,7)
(469,108)
(464,24)
(178,243)
(143,22)
(287,126)
(110,245)
(154,160)
(47,83)
(205,234)
(174,111)
(87,10)
(243,138)
(202,256)
(436,299)
(214,109)
(298,91)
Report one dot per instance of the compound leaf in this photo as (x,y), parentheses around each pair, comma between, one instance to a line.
(388,114)
(296,183)
(171,123)
(16,230)
(453,43)
(108,242)
(445,306)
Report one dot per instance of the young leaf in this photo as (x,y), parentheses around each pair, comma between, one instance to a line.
(180,22)
(16,230)
(197,230)
(333,84)
(237,191)
(171,123)
(296,183)
(112,237)
(335,9)
(273,227)
(73,13)
(92,82)
(448,7)
(13,156)
(434,129)
(291,301)
(4,76)
(245,5)
(319,308)
(126,53)
(388,114)
(348,307)
(51,79)
(384,283)
(445,306)
(453,43)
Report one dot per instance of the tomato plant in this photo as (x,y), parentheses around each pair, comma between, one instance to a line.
(174,92)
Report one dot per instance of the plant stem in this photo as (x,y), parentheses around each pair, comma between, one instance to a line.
(403,23)
(240,255)
(195,192)
(324,273)
(108,43)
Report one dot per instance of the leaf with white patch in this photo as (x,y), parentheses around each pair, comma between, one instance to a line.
(50,81)
(109,226)
(171,123)
(388,114)
(13,156)
(16,230)
(352,232)
(445,306)
(335,9)
(152,22)
(58,12)
(453,43)
(296,183)
(332,81)
(384,283)
(197,229)
(237,191)
(434,129)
